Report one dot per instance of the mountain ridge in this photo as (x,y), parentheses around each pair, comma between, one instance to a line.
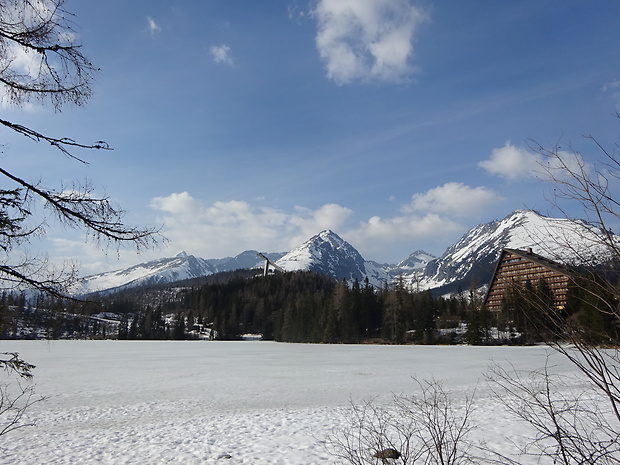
(468,262)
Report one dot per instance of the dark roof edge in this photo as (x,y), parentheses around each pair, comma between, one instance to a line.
(529,255)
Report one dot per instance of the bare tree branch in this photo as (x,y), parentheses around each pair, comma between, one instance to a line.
(15,397)
(426,428)
(42,32)
(63,144)
(40,60)
(569,426)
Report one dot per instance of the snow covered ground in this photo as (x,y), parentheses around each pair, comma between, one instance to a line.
(139,402)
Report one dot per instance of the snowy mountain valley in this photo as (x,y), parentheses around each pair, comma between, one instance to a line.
(322,291)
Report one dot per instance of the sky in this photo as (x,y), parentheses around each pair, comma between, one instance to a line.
(397,124)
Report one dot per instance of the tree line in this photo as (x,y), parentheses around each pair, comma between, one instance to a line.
(309,307)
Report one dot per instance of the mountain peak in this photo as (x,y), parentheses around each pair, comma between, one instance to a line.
(417,260)
(326,253)
(326,234)
(182,254)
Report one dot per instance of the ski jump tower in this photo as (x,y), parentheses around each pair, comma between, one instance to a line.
(267,263)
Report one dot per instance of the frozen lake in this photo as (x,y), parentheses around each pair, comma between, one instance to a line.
(142,402)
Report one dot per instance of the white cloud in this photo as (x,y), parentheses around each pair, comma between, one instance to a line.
(226,228)
(454,199)
(407,227)
(431,219)
(517,163)
(512,162)
(231,227)
(295,12)
(221,54)
(310,222)
(89,257)
(367,40)
(153,26)
(393,239)
(178,204)
(611,86)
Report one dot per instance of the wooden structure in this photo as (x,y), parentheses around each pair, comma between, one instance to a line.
(518,267)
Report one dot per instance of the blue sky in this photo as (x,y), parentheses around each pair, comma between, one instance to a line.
(254,125)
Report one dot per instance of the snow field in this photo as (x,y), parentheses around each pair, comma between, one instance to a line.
(139,402)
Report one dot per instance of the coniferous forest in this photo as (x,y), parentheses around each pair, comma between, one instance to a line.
(297,306)
(287,307)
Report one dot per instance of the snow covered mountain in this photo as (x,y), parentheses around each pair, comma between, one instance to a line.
(329,254)
(472,259)
(181,266)
(468,262)
(167,270)
(414,262)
